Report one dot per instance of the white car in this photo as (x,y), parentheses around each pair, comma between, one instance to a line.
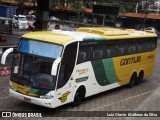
(20,22)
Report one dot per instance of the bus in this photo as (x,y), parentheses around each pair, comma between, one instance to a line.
(54,68)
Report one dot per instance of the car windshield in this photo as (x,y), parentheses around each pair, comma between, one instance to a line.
(22,19)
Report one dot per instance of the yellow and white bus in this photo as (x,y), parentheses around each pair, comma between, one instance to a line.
(59,67)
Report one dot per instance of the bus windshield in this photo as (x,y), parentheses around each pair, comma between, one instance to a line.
(33,62)
(40,48)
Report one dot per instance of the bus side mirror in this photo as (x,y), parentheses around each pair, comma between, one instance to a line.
(5,54)
(55,66)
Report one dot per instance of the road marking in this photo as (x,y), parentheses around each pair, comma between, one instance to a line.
(112,103)
(121,100)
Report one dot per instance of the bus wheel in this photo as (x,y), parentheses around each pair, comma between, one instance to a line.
(133,80)
(140,77)
(79,96)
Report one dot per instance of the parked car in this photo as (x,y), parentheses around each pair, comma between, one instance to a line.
(20,22)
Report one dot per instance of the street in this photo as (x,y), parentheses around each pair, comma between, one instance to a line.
(119,99)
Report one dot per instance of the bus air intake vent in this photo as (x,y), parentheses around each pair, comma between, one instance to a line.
(105,31)
(115,33)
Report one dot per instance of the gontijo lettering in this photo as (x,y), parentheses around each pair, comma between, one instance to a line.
(131,60)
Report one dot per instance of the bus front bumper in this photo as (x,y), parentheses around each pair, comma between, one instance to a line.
(38,101)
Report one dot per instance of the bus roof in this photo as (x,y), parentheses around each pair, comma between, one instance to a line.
(117,33)
(59,36)
(93,33)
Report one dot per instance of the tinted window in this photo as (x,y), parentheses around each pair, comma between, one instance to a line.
(85,54)
(148,44)
(98,52)
(132,47)
(110,50)
(153,44)
(40,48)
(114,48)
(67,64)
(123,48)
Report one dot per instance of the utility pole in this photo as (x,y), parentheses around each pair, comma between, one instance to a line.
(42,15)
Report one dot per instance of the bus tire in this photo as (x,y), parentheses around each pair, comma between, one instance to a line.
(140,77)
(133,80)
(79,96)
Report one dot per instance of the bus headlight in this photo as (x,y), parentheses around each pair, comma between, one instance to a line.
(12,88)
(46,96)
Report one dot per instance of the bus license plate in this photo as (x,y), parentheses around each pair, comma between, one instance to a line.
(27,100)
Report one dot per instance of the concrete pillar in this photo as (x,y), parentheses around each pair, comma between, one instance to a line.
(42,15)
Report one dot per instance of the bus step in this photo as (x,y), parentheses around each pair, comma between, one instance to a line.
(5,71)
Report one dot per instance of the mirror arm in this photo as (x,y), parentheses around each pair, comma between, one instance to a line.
(5,54)
(55,66)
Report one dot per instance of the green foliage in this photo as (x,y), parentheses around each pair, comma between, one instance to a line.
(34,2)
(124,5)
(78,7)
(105,4)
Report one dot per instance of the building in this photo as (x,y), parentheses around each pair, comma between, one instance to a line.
(8,8)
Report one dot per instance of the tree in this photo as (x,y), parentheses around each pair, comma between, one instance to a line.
(34,2)
(78,7)
(61,5)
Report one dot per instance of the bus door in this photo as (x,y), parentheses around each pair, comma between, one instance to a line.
(65,84)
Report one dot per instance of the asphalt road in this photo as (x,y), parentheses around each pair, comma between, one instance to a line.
(119,99)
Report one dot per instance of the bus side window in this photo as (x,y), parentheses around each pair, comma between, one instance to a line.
(84,54)
(123,48)
(108,53)
(139,47)
(62,80)
(113,50)
(97,54)
(67,64)
(132,47)
(120,51)
(81,57)
(153,44)
(145,46)
(148,45)
(110,50)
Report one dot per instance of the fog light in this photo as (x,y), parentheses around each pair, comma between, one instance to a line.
(46,96)
(47,104)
